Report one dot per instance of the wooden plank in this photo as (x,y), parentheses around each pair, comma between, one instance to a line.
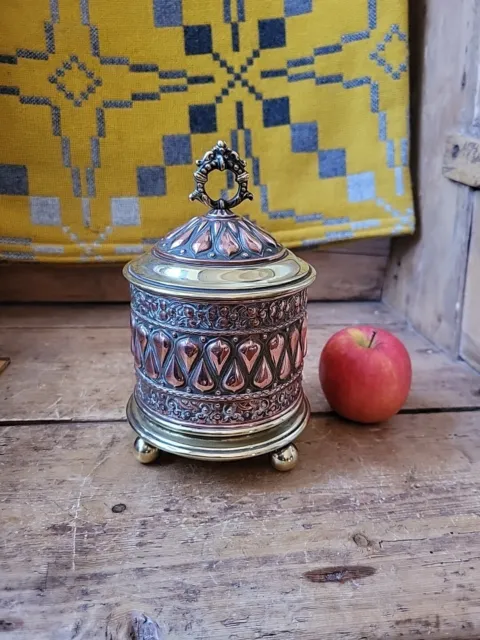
(437,381)
(470,344)
(461,161)
(18,316)
(86,373)
(386,519)
(346,276)
(4,362)
(61,315)
(42,282)
(132,625)
(426,274)
(363,247)
(346,271)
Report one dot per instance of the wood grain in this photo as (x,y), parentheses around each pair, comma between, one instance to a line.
(219,552)
(19,316)
(461,161)
(346,276)
(4,362)
(346,271)
(86,372)
(426,274)
(470,343)
(132,625)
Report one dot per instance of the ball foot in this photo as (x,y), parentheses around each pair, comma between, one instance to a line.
(284,459)
(144,452)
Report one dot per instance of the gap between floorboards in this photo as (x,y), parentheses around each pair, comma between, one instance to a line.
(318,414)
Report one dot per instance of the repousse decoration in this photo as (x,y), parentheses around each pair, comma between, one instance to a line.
(218,321)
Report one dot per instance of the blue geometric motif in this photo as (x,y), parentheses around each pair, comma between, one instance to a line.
(237,76)
(60,79)
(361,186)
(271,33)
(203,118)
(304,137)
(379,55)
(297,7)
(276,112)
(332,163)
(177,149)
(13,180)
(151,181)
(198,39)
(399,187)
(167,13)
(45,211)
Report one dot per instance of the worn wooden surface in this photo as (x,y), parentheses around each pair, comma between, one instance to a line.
(4,362)
(125,624)
(375,535)
(470,344)
(426,274)
(461,161)
(345,271)
(386,518)
(117,315)
(80,367)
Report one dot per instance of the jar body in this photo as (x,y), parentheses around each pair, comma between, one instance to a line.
(220,368)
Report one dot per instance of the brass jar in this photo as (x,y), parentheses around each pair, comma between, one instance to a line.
(218,318)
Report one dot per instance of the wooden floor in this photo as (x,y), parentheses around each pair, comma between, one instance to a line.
(376,533)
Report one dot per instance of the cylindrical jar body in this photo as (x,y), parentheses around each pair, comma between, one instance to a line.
(218,367)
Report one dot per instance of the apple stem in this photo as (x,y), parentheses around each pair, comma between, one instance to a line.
(372,339)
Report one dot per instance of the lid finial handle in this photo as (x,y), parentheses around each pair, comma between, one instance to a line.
(222,158)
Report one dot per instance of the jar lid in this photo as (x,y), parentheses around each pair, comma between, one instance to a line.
(219,255)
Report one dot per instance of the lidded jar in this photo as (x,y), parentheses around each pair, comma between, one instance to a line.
(218,319)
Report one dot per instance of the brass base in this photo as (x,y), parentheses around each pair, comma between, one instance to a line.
(156,434)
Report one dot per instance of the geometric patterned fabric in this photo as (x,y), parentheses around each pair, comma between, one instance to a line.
(105,105)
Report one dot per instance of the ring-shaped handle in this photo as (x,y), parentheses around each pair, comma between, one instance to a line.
(221,158)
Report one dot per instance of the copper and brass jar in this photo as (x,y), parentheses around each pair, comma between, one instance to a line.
(219,335)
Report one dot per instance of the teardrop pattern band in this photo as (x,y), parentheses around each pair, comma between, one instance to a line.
(208,364)
(194,375)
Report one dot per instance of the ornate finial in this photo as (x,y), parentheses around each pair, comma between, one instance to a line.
(222,158)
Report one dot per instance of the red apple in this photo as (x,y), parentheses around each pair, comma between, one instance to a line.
(365,374)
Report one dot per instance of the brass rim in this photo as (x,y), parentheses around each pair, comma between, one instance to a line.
(182,427)
(219,449)
(185,293)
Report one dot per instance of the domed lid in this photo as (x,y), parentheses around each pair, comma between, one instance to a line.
(219,255)
(220,237)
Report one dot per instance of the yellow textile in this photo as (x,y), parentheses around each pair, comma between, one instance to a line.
(105,105)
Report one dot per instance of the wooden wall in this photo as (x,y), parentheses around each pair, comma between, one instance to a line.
(427,274)
(470,334)
(345,271)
